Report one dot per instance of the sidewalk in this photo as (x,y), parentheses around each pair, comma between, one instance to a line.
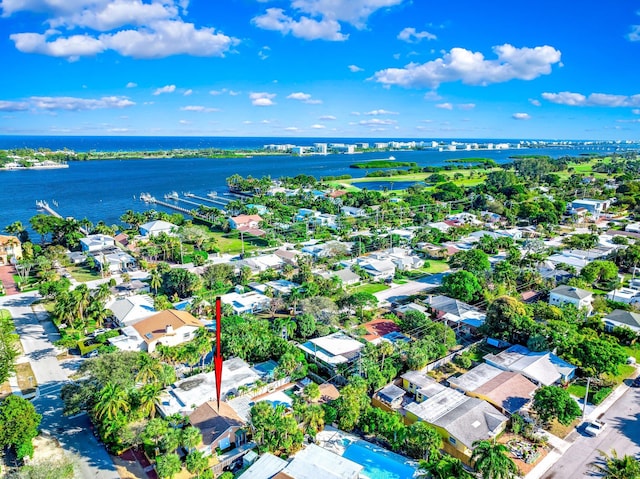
(560,446)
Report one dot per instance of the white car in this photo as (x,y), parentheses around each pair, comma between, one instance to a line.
(594,428)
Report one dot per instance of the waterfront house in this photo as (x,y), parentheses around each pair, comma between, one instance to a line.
(10,249)
(619,318)
(154,228)
(244,222)
(543,368)
(169,328)
(97,242)
(565,294)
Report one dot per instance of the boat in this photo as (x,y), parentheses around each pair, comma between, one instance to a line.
(171,196)
(212,194)
(146,197)
(391,158)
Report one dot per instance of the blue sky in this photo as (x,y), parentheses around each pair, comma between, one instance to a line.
(325,68)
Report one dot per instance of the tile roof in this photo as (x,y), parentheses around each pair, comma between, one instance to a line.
(155,326)
(213,422)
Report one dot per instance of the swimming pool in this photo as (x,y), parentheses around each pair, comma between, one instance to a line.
(377,463)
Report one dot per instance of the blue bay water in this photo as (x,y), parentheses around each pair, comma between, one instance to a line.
(103,190)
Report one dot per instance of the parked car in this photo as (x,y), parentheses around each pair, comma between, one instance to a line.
(594,428)
(636,382)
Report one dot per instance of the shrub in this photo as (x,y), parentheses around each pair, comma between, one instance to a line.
(600,395)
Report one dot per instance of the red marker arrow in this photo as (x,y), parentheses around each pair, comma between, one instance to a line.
(218,357)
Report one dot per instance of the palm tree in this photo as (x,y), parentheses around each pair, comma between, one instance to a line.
(112,400)
(149,369)
(196,463)
(148,395)
(611,466)
(190,438)
(155,280)
(491,460)
(444,467)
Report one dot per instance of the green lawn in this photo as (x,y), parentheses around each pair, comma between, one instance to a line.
(231,243)
(624,372)
(83,274)
(370,288)
(436,266)
(4,314)
(633,351)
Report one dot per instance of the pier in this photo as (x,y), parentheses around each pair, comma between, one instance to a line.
(147,198)
(215,201)
(44,206)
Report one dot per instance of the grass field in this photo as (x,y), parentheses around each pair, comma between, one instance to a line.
(83,274)
(370,288)
(436,266)
(231,243)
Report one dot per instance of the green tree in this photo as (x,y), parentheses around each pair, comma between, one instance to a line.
(196,463)
(112,401)
(554,402)
(311,392)
(306,325)
(168,465)
(474,261)
(444,466)
(19,423)
(181,282)
(423,441)
(599,271)
(190,438)
(610,466)
(508,319)
(461,285)
(8,347)
(491,459)
(353,401)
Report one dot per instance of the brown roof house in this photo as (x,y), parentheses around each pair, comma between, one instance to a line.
(169,328)
(220,428)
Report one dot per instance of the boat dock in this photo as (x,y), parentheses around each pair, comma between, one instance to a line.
(147,198)
(44,206)
(214,200)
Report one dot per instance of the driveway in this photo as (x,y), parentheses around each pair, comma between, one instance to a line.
(399,292)
(622,434)
(37,334)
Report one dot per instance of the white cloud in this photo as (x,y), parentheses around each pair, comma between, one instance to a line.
(594,99)
(223,91)
(535,102)
(188,92)
(71,47)
(292,128)
(318,126)
(303,97)
(327,118)
(355,68)
(106,16)
(636,111)
(445,106)
(262,98)
(68,103)
(305,28)
(381,112)
(521,116)
(410,35)
(131,85)
(634,34)
(432,96)
(264,52)
(198,108)
(13,105)
(184,122)
(355,12)
(377,121)
(165,89)
(473,69)
(466,106)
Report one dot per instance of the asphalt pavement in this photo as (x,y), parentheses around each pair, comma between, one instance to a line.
(37,334)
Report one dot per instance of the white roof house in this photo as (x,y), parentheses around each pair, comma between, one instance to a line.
(153,228)
(540,367)
(334,349)
(250,302)
(265,467)
(114,260)
(315,462)
(97,242)
(131,309)
(377,269)
(624,295)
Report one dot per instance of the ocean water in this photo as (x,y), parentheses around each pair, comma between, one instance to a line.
(103,190)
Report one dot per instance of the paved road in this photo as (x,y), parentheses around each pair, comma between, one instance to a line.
(622,434)
(73,434)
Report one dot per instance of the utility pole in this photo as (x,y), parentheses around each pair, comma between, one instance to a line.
(586,394)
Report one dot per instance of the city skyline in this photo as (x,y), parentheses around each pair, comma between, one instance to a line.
(320,68)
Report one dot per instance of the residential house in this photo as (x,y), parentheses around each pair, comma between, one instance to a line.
(389,398)
(353,212)
(10,249)
(421,386)
(624,295)
(377,270)
(315,462)
(220,427)
(168,327)
(619,318)
(565,294)
(97,242)
(403,259)
(594,207)
(328,249)
(114,260)
(454,312)
(259,264)
(260,209)
(507,391)
(402,309)
(378,329)
(278,287)
(289,256)
(460,420)
(251,302)
(266,467)
(543,368)
(244,221)
(185,395)
(346,276)
(332,350)
(154,228)
(131,309)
